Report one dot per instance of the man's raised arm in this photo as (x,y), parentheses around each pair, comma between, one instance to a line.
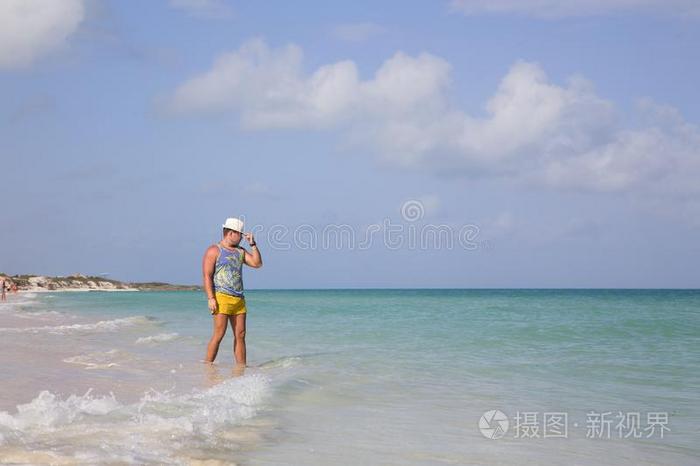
(252,259)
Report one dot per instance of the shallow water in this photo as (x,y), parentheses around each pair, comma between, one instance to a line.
(351,376)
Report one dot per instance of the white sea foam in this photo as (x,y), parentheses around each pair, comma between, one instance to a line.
(39,314)
(101,326)
(150,430)
(101,360)
(18,301)
(284,362)
(47,411)
(232,400)
(25,306)
(159,338)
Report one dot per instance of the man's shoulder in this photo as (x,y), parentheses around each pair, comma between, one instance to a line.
(214,248)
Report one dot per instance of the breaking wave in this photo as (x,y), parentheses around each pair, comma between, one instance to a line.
(101,326)
(159,338)
(101,429)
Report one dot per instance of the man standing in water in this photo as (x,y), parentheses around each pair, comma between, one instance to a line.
(222,268)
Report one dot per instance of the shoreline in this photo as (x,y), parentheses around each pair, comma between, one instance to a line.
(71,290)
(80,282)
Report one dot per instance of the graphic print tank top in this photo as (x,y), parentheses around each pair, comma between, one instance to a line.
(228,276)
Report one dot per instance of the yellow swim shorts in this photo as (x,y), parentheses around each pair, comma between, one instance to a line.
(229,305)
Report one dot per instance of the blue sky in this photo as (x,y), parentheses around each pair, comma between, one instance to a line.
(564,133)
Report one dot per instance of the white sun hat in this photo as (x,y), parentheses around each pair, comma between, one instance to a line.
(235,224)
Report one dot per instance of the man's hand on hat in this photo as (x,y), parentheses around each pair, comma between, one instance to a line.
(249,237)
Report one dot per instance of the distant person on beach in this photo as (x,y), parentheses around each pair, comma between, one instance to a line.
(222,269)
(2,285)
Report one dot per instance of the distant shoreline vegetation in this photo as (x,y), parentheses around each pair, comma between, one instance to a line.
(79,282)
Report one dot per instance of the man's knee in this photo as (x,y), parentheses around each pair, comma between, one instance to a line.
(240,334)
(219,334)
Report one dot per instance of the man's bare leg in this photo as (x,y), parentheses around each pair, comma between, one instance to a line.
(238,326)
(219,330)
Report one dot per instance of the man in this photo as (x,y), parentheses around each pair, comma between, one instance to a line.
(222,268)
(2,293)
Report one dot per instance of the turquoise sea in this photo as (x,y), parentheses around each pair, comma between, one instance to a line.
(487,377)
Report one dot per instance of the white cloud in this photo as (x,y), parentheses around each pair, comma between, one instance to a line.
(526,118)
(212,9)
(270,90)
(357,32)
(662,157)
(533,131)
(32,28)
(562,8)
